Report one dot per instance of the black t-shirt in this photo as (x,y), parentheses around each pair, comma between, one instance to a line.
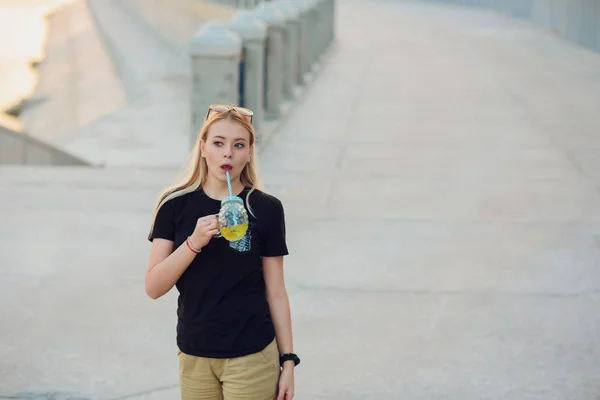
(222,308)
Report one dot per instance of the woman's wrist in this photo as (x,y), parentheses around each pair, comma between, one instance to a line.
(190,244)
(288,365)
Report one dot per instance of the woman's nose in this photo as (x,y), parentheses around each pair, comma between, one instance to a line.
(227,152)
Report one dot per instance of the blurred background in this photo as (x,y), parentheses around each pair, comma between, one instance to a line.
(438,161)
(23,31)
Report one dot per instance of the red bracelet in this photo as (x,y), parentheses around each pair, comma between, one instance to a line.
(189,245)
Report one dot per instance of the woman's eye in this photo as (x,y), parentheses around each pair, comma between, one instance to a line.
(217,143)
(239,145)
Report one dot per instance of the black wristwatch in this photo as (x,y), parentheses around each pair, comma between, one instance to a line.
(287,357)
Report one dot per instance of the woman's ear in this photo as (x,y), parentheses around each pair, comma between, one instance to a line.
(202,145)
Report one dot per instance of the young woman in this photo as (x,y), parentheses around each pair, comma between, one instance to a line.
(234,330)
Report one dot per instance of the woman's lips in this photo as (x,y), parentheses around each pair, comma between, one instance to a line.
(226,168)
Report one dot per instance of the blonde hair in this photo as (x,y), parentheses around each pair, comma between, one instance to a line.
(195,170)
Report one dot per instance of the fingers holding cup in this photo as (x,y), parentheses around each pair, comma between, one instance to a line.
(214,226)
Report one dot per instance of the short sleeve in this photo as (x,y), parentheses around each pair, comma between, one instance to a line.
(164,226)
(275,237)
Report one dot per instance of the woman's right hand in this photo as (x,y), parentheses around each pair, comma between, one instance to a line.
(206,228)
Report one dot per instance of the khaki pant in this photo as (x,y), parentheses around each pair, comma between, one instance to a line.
(251,377)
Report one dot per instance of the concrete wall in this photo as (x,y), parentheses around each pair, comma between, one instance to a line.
(575,20)
(19,148)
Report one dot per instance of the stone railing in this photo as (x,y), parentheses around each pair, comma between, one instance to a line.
(260,59)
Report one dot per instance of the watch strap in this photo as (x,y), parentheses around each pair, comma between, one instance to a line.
(287,357)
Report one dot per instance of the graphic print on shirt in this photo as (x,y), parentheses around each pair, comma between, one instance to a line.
(244,244)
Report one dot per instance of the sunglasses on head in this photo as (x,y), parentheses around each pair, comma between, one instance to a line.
(221,108)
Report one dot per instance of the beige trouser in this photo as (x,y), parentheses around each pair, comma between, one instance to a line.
(251,377)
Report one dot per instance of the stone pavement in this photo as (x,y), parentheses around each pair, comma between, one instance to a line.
(440,180)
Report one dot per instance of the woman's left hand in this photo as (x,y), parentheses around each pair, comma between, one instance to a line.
(286,383)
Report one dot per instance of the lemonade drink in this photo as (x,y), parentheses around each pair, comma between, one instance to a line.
(234,233)
(233,219)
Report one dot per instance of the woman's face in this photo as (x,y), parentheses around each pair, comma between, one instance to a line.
(226,149)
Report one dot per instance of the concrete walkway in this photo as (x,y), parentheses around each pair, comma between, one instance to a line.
(441,187)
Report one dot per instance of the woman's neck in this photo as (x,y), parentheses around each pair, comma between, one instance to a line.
(218,190)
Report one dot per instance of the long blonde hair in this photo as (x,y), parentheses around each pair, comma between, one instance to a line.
(195,170)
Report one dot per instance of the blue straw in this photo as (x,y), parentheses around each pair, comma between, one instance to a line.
(229,184)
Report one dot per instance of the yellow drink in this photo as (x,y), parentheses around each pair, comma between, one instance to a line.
(233,233)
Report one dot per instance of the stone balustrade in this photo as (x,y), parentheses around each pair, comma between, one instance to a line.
(260,59)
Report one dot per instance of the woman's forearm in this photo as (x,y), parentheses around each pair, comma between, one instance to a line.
(161,278)
(279,306)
